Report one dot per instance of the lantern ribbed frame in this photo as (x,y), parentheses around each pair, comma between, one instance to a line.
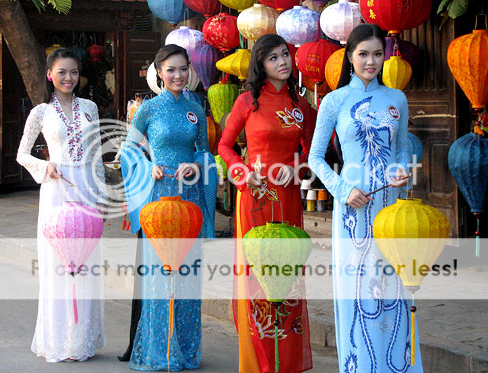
(221,97)
(236,64)
(396,72)
(257,21)
(221,32)
(172,11)
(333,68)
(312,57)
(338,20)
(187,38)
(298,25)
(203,60)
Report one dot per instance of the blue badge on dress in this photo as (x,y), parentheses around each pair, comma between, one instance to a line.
(192,118)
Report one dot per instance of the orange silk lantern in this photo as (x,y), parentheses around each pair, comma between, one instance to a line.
(221,32)
(333,68)
(214,134)
(171,226)
(322,87)
(394,15)
(467,57)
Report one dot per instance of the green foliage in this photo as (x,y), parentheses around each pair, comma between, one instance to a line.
(452,9)
(62,6)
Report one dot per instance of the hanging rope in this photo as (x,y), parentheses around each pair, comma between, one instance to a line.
(477,233)
(277,351)
(170,318)
(412,333)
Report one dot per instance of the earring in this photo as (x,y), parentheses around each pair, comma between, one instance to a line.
(351,72)
(49,79)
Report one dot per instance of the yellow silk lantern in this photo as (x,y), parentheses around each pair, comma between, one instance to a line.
(396,72)
(52,48)
(257,21)
(333,68)
(467,57)
(411,235)
(221,97)
(236,64)
(238,4)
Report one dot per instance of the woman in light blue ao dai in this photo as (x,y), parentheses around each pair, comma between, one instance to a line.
(372,317)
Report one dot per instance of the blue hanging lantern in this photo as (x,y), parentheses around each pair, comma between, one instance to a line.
(415,147)
(298,25)
(468,163)
(172,11)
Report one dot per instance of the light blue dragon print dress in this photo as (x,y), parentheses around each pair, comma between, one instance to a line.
(372,317)
(173,127)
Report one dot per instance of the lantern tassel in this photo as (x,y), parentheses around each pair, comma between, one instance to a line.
(315,94)
(477,235)
(412,333)
(170,318)
(300,79)
(277,351)
(75,306)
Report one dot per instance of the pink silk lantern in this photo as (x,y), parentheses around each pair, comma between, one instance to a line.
(73,231)
(203,61)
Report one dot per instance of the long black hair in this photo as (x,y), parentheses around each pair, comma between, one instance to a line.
(359,34)
(51,59)
(256,73)
(166,52)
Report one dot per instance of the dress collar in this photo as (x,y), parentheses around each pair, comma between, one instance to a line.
(358,84)
(168,96)
(270,88)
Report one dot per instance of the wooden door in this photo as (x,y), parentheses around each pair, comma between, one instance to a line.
(134,49)
(433,116)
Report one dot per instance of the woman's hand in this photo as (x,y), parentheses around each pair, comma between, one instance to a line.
(186,170)
(253,180)
(401,174)
(53,171)
(102,208)
(285,176)
(157,172)
(357,198)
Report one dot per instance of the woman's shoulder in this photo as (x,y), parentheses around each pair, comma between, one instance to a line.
(87,103)
(39,110)
(396,94)
(337,96)
(196,107)
(245,98)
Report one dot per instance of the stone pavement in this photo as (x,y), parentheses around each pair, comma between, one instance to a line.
(453,333)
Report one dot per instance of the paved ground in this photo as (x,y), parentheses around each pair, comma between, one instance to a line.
(453,333)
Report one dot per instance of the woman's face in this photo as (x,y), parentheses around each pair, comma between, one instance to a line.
(277,64)
(174,71)
(64,74)
(367,59)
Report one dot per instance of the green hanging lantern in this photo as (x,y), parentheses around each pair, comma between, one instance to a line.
(277,253)
(222,97)
(222,169)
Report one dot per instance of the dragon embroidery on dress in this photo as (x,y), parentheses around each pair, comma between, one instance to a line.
(376,152)
(288,119)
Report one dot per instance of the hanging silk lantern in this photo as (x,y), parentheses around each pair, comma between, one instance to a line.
(52,48)
(241,137)
(311,59)
(194,97)
(467,57)
(257,21)
(96,52)
(468,163)
(206,7)
(187,38)
(338,20)
(221,32)
(298,25)
(415,147)
(321,87)
(152,79)
(333,68)
(396,72)
(172,11)
(411,235)
(395,16)
(221,97)
(214,134)
(293,52)
(193,80)
(280,5)
(312,5)
(203,60)
(222,169)
(236,64)
(73,231)
(409,51)
(238,5)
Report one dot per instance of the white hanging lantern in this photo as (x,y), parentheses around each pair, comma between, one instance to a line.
(186,38)
(338,20)
(152,80)
(193,79)
(257,21)
(298,25)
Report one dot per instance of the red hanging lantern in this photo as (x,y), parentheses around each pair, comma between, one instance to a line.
(221,32)
(96,52)
(293,53)
(396,16)
(280,5)
(207,7)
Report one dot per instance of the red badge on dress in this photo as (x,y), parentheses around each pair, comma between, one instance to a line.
(88,117)
(393,111)
(192,118)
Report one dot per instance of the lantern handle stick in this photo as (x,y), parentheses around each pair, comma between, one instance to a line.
(69,182)
(386,186)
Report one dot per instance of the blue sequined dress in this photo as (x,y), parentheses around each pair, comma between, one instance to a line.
(172,127)
(371,307)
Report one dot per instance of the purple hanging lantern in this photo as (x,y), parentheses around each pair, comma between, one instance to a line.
(203,60)
(186,38)
(409,51)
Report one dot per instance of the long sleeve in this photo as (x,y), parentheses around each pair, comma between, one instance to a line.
(306,140)
(33,126)
(236,122)
(402,154)
(97,156)
(326,122)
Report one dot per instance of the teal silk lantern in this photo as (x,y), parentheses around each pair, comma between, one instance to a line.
(172,11)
